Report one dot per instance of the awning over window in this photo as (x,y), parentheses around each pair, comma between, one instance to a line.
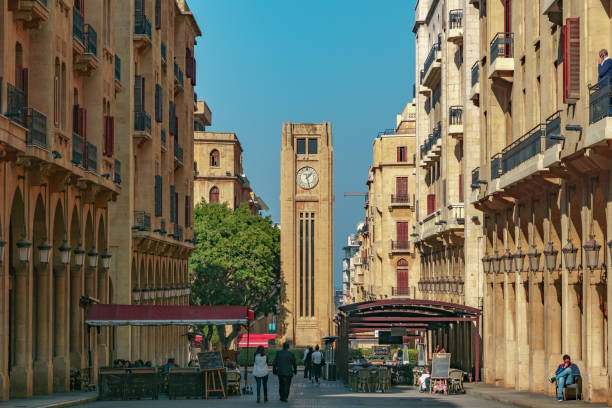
(153,315)
(255,340)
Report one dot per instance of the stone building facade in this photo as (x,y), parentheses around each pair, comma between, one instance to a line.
(446,233)
(220,176)
(543,183)
(307,237)
(59,174)
(155,114)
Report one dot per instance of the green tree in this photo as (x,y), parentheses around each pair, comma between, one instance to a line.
(236,262)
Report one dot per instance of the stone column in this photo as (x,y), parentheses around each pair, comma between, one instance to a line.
(61,360)
(522,379)
(21,372)
(537,367)
(599,381)
(102,338)
(510,335)
(553,324)
(500,339)
(91,342)
(573,341)
(76,322)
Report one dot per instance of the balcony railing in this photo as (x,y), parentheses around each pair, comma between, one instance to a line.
(553,129)
(431,56)
(455,115)
(400,245)
(163,137)
(92,157)
(400,291)
(15,104)
(455,18)
(117,69)
(91,40)
(522,149)
(142,25)
(178,232)
(77,26)
(475,178)
(496,166)
(36,123)
(164,54)
(77,149)
(475,73)
(502,46)
(178,74)
(117,170)
(401,199)
(178,152)
(142,221)
(142,122)
(600,104)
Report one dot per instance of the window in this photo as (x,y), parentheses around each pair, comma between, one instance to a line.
(56,94)
(402,233)
(158,103)
(213,196)
(403,286)
(158,196)
(571,60)
(301,146)
(312,146)
(402,155)
(214,158)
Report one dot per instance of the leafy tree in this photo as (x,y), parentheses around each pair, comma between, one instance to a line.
(236,262)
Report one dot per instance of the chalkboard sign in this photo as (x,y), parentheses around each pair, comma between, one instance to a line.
(385,337)
(210,360)
(440,365)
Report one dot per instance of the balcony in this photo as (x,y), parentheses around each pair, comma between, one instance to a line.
(455,122)
(15,104)
(142,126)
(436,140)
(496,166)
(502,57)
(203,113)
(401,201)
(475,90)
(432,68)
(453,217)
(403,247)
(455,26)
(142,221)
(92,157)
(36,123)
(522,149)
(475,186)
(88,60)
(400,291)
(178,232)
(142,31)
(430,225)
(78,149)
(117,171)
(178,155)
(423,90)
(178,79)
(599,131)
(78,32)
(32,12)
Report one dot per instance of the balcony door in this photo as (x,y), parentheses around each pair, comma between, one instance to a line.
(403,285)
(402,233)
(401,189)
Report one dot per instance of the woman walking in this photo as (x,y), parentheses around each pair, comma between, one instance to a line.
(260,372)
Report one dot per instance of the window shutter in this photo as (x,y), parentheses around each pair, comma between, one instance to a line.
(106,129)
(158,14)
(193,71)
(75,119)
(461,188)
(401,187)
(571,60)
(176,202)
(399,154)
(138,101)
(83,129)
(158,103)
(176,128)
(56,101)
(402,231)
(172,204)
(171,119)
(187,211)
(112,135)
(158,196)
(431,203)
(188,62)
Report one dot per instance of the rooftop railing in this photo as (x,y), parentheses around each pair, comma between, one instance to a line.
(36,123)
(502,46)
(91,40)
(475,73)
(455,115)
(600,103)
(455,18)
(77,26)
(431,56)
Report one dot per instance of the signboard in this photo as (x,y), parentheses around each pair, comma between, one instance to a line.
(381,351)
(398,331)
(210,361)
(440,365)
(384,337)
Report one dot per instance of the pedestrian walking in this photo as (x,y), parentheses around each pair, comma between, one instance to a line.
(260,372)
(317,363)
(306,352)
(308,363)
(285,368)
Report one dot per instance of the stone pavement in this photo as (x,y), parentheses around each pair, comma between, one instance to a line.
(57,400)
(521,398)
(327,394)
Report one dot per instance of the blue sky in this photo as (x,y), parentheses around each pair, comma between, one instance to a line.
(262,63)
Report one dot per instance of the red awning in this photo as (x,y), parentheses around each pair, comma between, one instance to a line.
(152,315)
(255,340)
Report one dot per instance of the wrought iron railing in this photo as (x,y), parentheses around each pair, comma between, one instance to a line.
(431,57)
(553,129)
(163,52)
(77,149)
(117,170)
(475,73)
(495,166)
(178,152)
(163,137)
(15,104)
(401,199)
(400,245)
(523,148)
(437,133)
(178,74)
(475,178)
(142,122)
(600,103)
(77,26)
(400,291)
(117,68)
(92,157)
(178,232)
(502,46)
(455,18)
(91,40)
(455,115)
(142,25)
(43,2)
(36,123)
(142,221)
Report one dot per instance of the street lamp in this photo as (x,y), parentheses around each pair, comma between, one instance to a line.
(2,244)
(64,251)
(79,255)
(44,252)
(534,259)
(507,258)
(486,264)
(460,287)
(92,258)
(106,259)
(495,261)
(23,249)
(550,255)
(519,258)
(569,254)
(591,249)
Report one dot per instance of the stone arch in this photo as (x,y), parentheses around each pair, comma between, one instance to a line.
(213,195)
(214,158)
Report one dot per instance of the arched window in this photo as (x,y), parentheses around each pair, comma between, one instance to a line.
(403,284)
(213,196)
(214,158)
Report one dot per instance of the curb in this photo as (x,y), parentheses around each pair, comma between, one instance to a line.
(490,397)
(70,403)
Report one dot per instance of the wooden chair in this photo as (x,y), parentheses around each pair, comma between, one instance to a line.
(384,380)
(455,385)
(233,383)
(373,380)
(362,380)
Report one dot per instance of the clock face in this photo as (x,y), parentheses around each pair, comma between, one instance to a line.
(307,177)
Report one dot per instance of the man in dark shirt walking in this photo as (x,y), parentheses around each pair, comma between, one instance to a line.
(285,367)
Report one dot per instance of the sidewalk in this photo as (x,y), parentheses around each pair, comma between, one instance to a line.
(57,400)
(520,398)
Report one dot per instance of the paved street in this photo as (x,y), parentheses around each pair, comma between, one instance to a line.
(304,394)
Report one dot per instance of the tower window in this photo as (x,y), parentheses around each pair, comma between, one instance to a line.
(312,146)
(214,158)
(301,146)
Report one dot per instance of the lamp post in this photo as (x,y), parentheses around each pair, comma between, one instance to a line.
(495,262)
(591,249)
(106,259)
(486,264)
(79,255)
(550,256)
(136,294)
(64,251)
(519,259)
(92,258)
(569,254)
(23,249)
(507,259)
(44,252)
(534,259)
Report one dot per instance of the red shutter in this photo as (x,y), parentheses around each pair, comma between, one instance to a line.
(571,60)
(402,280)
(461,188)
(402,231)
(431,203)
(507,16)
(399,154)
(401,188)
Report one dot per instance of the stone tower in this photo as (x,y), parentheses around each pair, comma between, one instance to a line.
(307,221)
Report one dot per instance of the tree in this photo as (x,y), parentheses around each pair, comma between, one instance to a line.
(236,261)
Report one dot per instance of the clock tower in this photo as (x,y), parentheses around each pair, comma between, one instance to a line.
(307,232)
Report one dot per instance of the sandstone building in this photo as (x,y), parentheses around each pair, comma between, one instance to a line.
(307,219)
